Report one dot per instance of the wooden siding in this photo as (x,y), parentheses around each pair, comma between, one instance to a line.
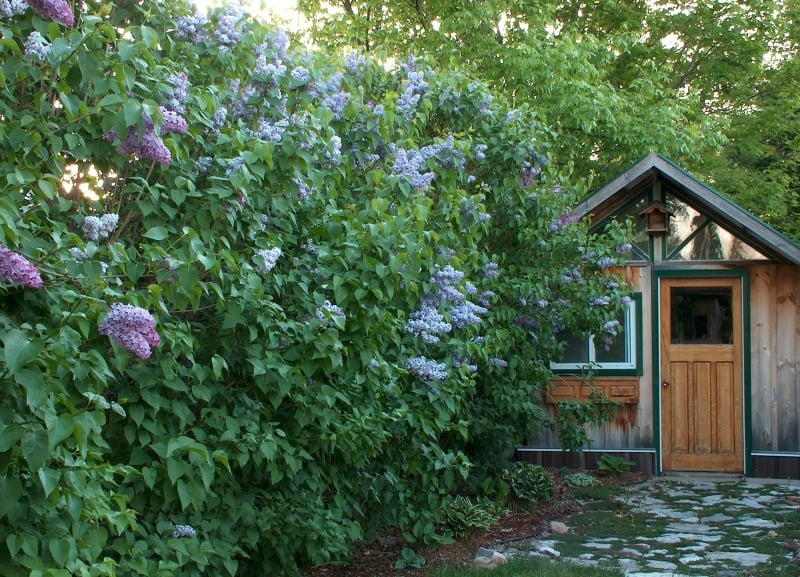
(774,354)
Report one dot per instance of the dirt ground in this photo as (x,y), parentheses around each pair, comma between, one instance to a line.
(377,558)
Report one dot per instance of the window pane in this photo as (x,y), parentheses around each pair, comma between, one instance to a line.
(577,349)
(614,350)
(702,315)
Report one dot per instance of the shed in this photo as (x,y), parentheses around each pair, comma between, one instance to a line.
(707,371)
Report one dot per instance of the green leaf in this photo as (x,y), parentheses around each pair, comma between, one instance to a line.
(35,391)
(19,350)
(156,233)
(36,448)
(49,479)
(132,111)
(10,493)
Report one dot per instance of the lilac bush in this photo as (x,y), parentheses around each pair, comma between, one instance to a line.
(347,262)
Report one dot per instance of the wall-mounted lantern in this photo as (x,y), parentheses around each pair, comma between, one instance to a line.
(656,217)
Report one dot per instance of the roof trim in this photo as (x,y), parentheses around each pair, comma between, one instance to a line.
(721,209)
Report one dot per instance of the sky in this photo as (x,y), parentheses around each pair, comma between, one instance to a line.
(285,9)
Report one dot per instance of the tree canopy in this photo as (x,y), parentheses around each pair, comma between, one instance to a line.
(614,79)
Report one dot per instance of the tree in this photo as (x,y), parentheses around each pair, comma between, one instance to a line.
(252,310)
(613,80)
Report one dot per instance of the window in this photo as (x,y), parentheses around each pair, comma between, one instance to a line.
(622,356)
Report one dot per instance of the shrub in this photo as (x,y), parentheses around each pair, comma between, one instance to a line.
(529,483)
(462,516)
(580,480)
(252,309)
(613,464)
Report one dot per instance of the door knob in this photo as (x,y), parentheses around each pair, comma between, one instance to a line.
(665,384)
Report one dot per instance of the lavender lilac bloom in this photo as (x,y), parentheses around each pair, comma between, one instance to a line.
(606,262)
(499,362)
(131,327)
(228,32)
(182,531)
(17,268)
(58,10)
(95,227)
(466,314)
(270,131)
(78,254)
(427,323)
(624,248)
(337,103)
(10,8)
(190,27)
(426,370)
(491,270)
(600,301)
(178,92)
(414,89)
(300,75)
(329,309)
(37,47)
(150,145)
(270,257)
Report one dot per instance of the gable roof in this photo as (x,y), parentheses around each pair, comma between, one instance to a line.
(702,197)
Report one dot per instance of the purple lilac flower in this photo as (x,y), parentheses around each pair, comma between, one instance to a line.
(190,28)
(228,32)
(374,364)
(427,323)
(99,227)
(466,314)
(270,131)
(498,362)
(600,301)
(172,121)
(479,152)
(150,144)
(17,268)
(37,47)
(612,284)
(277,44)
(529,174)
(305,191)
(355,62)
(242,106)
(269,72)
(606,262)
(56,9)
(491,270)
(234,165)
(624,248)
(132,328)
(626,300)
(485,297)
(182,531)
(10,8)
(329,309)
(178,92)
(337,103)
(426,370)
(542,303)
(415,87)
(203,164)
(270,257)
(78,254)
(300,75)
(611,327)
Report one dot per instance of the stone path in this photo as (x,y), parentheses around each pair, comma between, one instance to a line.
(685,527)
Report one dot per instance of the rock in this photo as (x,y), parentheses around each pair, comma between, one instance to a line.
(488,559)
(558,527)
(550,552)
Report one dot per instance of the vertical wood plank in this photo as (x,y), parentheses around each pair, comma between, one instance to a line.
(786,368)
(761,347)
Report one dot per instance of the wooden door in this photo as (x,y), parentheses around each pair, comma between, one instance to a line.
(702,426)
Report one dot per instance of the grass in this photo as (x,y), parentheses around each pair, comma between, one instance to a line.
(533,568)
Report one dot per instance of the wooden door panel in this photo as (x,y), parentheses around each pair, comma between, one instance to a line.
(701,396)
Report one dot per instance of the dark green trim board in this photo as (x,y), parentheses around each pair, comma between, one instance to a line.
(744,276)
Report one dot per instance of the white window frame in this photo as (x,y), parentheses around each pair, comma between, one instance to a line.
(629,333)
